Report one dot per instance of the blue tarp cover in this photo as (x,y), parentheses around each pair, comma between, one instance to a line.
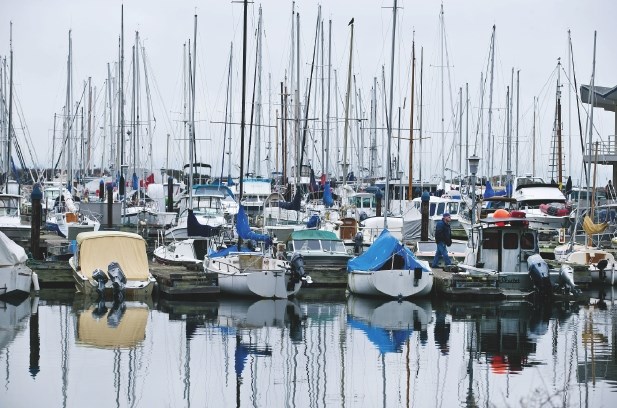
(195,229)
(328,201)
(245,232)
(227,251)
(380,251)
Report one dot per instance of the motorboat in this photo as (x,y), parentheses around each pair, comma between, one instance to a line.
(112,262)
(15,277)
(321,250)
(10,218)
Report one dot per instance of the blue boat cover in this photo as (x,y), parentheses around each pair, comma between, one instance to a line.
(380,251)
(489,192)
(195,229)
(386,340)
(295,204)
(313,222)
(245,232)
(328,201)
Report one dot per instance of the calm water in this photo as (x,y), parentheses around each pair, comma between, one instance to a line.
(320,350)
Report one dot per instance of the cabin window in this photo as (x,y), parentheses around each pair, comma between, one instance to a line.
(307,245)
(491,240)
(527,241)
(510,240)
(431,210)
(453,208)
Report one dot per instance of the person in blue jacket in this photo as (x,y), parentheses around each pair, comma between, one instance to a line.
(443,238)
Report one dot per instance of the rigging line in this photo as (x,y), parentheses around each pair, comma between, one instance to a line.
(308,98)
(70,128)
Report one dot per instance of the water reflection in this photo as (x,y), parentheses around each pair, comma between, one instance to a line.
(311,352)
(110,325)
(389,324)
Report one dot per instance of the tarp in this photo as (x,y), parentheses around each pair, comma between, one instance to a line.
(412,224)
(293,205)
(380,251)
(11,253)
(99,248)
(313,222)
(245,232)
(591,228)
(489,192)
(386,341)
(195,229)
(328,201)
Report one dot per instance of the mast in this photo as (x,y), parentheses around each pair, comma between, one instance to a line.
(490,108)
(347,96)
(257,161)
(533,140)
(298,129)
(10,116)
(516,157)
(441,68)
(558,128)
(421,109)
(387,195)
(327,143)
(192,129)
(121,105)
(413,77)
(243,113)
(592,100)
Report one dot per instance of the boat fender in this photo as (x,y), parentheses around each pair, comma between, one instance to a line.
(35,282)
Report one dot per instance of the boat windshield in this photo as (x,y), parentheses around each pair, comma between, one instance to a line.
(9,206)
(333,246)
(307,245)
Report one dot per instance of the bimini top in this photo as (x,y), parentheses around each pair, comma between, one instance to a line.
(97,249)
(381,251)
(314,234)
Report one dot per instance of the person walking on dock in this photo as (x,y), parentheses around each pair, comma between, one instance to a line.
(443,238)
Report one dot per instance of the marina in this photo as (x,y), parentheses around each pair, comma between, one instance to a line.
(222,205)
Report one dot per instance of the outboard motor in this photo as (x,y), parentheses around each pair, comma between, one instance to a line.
(296,269)
(566,279)
(602,269)
(118,279)
(358,240)
(101,279)
(538,272)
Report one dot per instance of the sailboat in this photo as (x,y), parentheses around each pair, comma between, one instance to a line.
(388,268)
(245,271)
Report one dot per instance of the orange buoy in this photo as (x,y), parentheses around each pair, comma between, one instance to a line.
(501,213)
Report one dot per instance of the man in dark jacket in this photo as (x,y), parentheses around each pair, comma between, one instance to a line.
(443,238)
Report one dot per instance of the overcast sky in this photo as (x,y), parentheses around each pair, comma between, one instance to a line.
(530,36)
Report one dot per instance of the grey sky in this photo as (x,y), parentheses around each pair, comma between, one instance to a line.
(530,36)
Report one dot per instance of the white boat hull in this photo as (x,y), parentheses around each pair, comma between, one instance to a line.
(395,283)
(15,280)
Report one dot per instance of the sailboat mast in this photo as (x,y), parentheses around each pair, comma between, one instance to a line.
(192,129)
(490,108)
(413,77)
(10,115)
(593,101)
(389,149)
(558,128)
(441,68)
(327,143)
(121,101)
(243,112)
(347,96)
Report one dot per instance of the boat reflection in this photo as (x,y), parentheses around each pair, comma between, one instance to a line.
(505,333)
(110,325)
(13,319)
(389,324)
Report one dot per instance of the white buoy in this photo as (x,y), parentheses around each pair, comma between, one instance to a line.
(35,282)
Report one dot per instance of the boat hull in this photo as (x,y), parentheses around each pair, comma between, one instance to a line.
(395,283)
(15,281)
